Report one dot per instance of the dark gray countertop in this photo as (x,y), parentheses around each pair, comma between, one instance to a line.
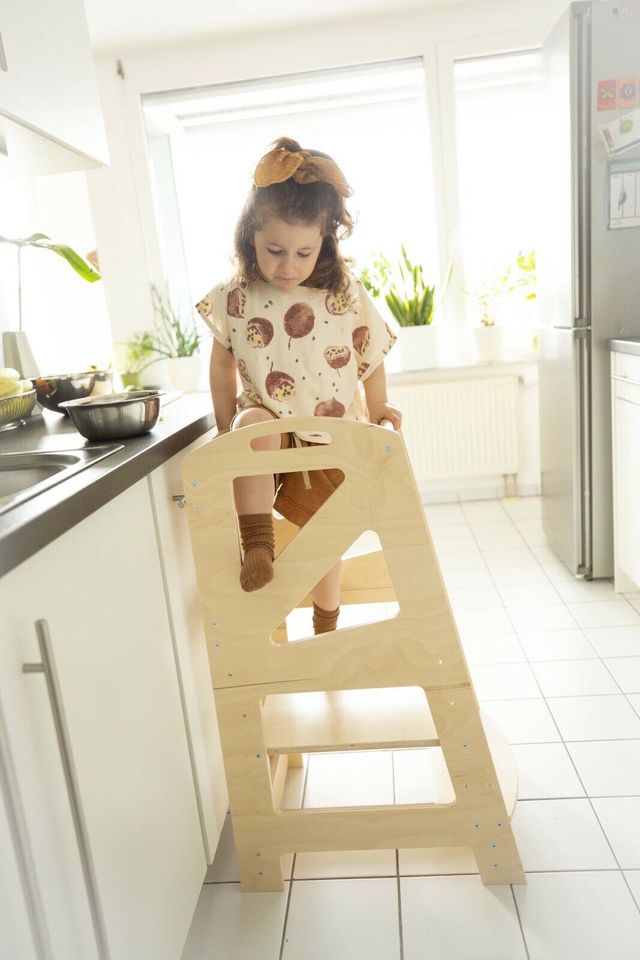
(31,525)
(630,345)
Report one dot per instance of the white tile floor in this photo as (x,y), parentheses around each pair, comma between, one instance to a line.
(556,662)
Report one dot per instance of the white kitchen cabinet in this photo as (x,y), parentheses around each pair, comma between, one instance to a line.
(50,113)
(16,936)
(99,588)
(626,470)
(166,490)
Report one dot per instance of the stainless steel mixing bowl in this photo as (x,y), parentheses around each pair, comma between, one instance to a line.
(114,416)
(53,391)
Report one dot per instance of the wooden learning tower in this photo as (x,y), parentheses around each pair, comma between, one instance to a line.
(399,683)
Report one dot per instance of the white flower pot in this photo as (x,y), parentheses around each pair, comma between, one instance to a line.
(417,347)
(488,343)
(188,373)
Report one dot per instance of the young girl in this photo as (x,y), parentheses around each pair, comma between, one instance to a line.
(300,331)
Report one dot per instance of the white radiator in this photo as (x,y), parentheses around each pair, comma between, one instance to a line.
(461,428)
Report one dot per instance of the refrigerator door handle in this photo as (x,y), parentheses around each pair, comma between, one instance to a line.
(582,350)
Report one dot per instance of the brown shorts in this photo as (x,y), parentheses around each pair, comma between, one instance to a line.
(299,495)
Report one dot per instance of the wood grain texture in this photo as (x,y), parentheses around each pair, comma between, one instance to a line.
(257,677)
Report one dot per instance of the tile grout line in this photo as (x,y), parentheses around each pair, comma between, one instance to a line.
(286,916)
(397,859)
(524,939)
(562,740)
(399,895)
(293,867)
(613,853)
(568,752)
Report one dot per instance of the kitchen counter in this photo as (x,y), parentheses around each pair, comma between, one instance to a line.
(630,345)
(34,523)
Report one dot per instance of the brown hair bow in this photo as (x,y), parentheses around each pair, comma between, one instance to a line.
(280,164)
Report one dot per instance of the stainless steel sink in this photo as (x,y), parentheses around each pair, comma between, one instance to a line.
(26,474)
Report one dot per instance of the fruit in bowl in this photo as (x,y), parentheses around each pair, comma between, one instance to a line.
(11,385)
(17,398)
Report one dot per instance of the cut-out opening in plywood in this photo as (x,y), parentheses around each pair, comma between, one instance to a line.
(338,720)
(375,778)
(366,591)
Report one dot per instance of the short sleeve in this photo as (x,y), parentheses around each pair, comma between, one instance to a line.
(213,310)
(372,337)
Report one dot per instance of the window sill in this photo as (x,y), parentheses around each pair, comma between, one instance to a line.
(525,366)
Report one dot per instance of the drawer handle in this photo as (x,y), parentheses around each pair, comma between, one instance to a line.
(48,668)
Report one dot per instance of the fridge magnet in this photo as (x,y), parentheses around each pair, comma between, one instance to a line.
(627,94)
(607,91)
(621,134)
(624,194)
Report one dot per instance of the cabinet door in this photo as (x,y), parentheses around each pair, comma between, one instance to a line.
(626,469)
(99,587)
(47,76)
(179,573)
(15,932)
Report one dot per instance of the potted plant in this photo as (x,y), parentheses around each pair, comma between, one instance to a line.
(178,341)
(517,278)
(172,339)
(138,353)
(410,300)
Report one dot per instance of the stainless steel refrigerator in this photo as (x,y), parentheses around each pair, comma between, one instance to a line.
(588,266)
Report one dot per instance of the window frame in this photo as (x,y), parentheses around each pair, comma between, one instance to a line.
(430,35)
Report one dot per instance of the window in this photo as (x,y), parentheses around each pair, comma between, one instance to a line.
(204,143)
(499,141)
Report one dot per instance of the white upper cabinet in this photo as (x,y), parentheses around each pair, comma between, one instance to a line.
(50,115)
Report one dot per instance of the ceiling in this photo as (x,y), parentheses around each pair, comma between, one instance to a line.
(119,24)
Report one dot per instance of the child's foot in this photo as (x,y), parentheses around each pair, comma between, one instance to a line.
(257,569)
(258,545)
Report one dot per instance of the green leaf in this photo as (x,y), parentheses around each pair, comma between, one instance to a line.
(81,266)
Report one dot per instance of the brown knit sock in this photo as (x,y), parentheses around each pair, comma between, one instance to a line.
(258,544)
(324,620)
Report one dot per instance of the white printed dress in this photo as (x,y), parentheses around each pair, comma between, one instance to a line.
(300,353)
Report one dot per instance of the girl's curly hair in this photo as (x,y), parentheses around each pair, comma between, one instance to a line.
(297,203)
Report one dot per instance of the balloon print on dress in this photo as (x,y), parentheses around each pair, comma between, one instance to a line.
(337,357)
(236,300)
(279,385)
(338,303)
(298,321)
(329,408)
(362,369)
(361,339)
(259,332)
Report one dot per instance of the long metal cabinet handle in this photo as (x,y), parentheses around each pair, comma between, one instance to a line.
(22,846)
(48,667)
(3,58)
